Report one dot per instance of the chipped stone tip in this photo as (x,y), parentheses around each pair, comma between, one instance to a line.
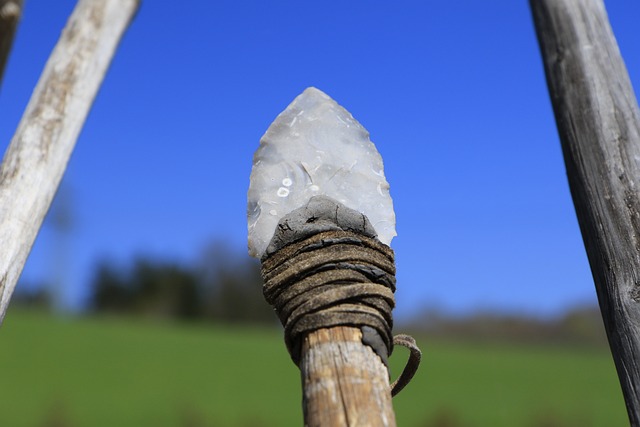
(316,148)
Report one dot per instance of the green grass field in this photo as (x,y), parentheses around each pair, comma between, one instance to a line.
(115,372)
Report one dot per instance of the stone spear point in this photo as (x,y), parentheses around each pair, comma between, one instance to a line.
(316,148)
(320,218)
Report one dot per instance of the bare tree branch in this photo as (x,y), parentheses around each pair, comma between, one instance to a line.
(10,11)
(37,157)
(599,125)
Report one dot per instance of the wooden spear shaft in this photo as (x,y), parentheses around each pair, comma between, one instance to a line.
(40,149)
(599,125)
(324,277)
(344,382)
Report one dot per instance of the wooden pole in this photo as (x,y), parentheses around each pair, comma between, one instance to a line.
(10,11)
(344,382)
(599,125)
(40,149)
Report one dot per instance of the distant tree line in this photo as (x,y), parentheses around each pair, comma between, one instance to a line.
(226,287)
(580,325)
(222,287)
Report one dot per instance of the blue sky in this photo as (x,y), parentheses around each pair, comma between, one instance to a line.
(453,94)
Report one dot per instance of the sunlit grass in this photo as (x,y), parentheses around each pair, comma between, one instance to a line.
(115,372)
(503,385)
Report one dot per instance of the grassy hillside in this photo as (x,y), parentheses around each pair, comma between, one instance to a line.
(114,372)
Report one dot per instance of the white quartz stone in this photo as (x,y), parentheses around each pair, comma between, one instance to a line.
(315,147)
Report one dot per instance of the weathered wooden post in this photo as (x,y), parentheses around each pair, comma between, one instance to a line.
(10,11)
(320,219)
(39,151)
(599,125)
